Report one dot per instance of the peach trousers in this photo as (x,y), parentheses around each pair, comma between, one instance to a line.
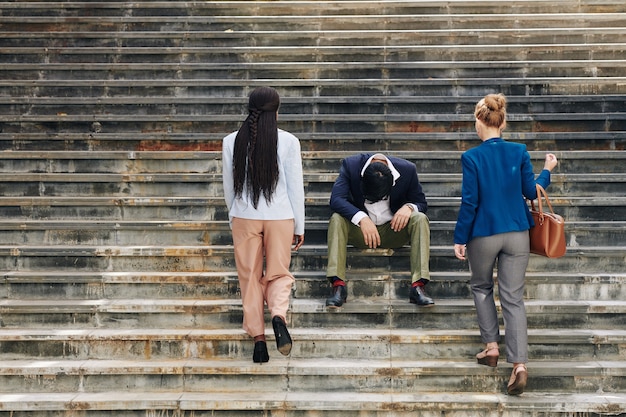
(255,240)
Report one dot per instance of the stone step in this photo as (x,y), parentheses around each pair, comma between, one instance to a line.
(77,285)
(309,37)
(21,138)
(435,103)
(325,81)
(114,232)
(337,9)
(158,91)
(321,343)
(314,162)
(117,162)
(529,15)
(280,374)
(217,258)
(361,125)
(314,403)
(340,105)
(585,213)
(441,209)
(372,312)
(210,184)
(137,67)
(399,84)
(370,53)
(365,66)
(229,11)
(337,119)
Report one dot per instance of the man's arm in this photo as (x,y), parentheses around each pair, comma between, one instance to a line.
(416,194)
(410,189)
(340,201)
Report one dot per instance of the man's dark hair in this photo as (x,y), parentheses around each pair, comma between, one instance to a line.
(376,182)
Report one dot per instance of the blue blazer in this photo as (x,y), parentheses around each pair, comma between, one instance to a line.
(497,175)
(347,199)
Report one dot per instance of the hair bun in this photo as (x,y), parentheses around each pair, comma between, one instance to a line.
(491,110)
(495,102)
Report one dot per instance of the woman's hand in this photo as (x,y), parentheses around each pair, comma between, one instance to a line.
(551,162)
(298,240)
(459,251)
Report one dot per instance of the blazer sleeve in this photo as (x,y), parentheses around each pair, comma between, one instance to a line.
(341,198)
(407,188)
(469,201)
(528,178)
(415,193)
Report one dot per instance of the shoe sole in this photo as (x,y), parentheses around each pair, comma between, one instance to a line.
(488,361)
(334,305)
(422,305)
(283,339)
(261,360)
(518,386)
(285,349)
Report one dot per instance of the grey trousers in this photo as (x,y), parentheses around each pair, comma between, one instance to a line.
(341,233)
(511,251)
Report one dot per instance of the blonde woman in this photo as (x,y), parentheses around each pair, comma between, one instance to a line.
(492,227)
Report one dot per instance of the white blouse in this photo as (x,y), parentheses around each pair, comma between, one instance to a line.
(288,199)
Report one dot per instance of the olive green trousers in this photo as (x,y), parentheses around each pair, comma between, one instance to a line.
(342,232)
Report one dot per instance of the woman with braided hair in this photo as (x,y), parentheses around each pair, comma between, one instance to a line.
(264,193)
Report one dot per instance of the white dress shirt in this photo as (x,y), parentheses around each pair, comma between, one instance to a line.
(379,212)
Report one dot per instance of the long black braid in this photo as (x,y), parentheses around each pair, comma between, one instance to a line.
(255,158)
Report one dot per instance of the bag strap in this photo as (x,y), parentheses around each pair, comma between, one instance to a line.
(541,192)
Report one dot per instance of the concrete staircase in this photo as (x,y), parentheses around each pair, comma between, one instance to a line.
(119,294)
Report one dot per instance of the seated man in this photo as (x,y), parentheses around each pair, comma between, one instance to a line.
(378,202)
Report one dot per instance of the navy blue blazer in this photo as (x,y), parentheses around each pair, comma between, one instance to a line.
(497,175)
(347,199)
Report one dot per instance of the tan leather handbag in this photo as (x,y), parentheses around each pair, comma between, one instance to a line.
(547,237)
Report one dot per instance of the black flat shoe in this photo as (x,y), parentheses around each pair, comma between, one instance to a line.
(260,354)
(419,297)
(340,295)
(283,339)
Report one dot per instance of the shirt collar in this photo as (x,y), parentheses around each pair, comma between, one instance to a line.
(393,169)
(492,140)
